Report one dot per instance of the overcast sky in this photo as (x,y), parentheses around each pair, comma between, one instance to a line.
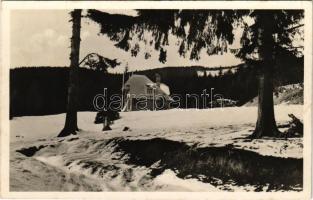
(41,38)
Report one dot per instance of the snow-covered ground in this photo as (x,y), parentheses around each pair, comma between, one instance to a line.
(86,163)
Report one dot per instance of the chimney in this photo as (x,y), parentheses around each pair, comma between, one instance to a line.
(157,79)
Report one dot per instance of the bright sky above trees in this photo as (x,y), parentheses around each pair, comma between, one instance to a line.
(41,38)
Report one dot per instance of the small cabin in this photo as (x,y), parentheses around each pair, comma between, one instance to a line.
(140,93)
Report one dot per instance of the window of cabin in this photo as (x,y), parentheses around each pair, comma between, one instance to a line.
(149,90)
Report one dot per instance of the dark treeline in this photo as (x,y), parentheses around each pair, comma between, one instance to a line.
(42,90)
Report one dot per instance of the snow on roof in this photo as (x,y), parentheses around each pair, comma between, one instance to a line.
(138,85)
(165,89)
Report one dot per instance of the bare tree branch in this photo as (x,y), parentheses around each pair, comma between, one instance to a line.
(295,27)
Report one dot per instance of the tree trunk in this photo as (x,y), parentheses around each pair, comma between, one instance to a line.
(106,124)
(70,126)
(266,124)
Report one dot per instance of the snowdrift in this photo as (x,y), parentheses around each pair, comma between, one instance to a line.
(119,164)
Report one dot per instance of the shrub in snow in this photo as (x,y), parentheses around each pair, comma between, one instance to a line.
(111,115)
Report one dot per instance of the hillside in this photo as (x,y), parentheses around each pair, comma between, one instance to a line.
(288,94)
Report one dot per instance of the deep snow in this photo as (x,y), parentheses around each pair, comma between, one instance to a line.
(86,163)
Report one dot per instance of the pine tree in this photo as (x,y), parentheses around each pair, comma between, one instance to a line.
(269,36)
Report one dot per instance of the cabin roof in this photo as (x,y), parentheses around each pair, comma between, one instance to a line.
(139,83)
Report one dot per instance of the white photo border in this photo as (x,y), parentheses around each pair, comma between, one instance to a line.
(8,6)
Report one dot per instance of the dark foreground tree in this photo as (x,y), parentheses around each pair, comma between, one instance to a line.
(268,35)
(268,38)
(70,126)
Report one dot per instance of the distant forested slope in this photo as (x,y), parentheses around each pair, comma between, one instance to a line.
(42,90)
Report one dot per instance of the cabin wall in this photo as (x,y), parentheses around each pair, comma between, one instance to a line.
(149,104)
